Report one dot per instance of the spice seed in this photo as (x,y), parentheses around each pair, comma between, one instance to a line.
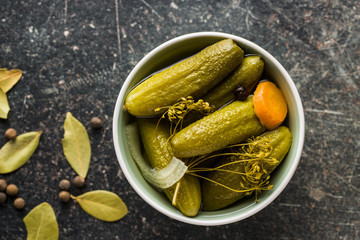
(95,123)
(64,184)
(240,93)
(10,134)
(3,184)
(64,196)
(19,203)
(2,198)
(79,181)
(12,190)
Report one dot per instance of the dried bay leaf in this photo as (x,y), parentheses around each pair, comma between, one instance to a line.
(16,153)
(103,205)
(4,105)
(8,78)
(76,145)
(41,223)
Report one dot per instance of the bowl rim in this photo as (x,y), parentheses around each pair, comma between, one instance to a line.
(260,205)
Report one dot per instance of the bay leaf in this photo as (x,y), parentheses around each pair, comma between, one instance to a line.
(104,205)
(16,153)
(41,223)
(8,78)
(76,145)
(4,105)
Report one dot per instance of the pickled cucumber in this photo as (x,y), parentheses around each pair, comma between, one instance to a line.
(159,154)
(155,142)
(247,75)
(217,197)
(232,124)
(194,76)
(188,199)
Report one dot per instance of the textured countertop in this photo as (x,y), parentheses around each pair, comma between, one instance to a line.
(75,56)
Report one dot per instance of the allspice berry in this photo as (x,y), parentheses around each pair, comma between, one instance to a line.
(240,93)
(64,185)
(79,181)
(64,196)
(12,190)
(2,198)
(10,134)
(96,123)
(19,203)
(3,184)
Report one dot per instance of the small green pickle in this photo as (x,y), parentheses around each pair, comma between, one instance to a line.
(229,125)
(246,75)
(158,150)
(216,196)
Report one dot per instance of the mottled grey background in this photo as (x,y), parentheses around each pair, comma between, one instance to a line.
(76,54)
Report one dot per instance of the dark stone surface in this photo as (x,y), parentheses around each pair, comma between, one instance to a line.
(75,56)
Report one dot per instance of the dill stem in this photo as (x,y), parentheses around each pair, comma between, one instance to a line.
(214,169)
(198,161)
(176,193)
(222,185)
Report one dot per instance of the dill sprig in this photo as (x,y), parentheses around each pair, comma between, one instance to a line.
(177,112)
(254,157)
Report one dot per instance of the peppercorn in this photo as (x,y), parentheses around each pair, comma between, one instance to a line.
(64,184)
(64,196)
(10,134)
(19,203)
(95,123)
(3,184)
(240,93)
(2,198)
(79,181)
(12,190)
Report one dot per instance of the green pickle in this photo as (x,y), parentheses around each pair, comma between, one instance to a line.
(246,75)
(229,125)
(188,199)
(159,154)
(155,142)
(216,197)
(194,77)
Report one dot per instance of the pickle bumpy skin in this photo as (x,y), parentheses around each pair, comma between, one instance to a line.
(216,197)
(155,143)
(246,75)
(232,124)
(194,77)
(159,154)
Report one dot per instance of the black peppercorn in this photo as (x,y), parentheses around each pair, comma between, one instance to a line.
(240,93)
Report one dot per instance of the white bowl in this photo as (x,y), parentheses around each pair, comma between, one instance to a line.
(171,52)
